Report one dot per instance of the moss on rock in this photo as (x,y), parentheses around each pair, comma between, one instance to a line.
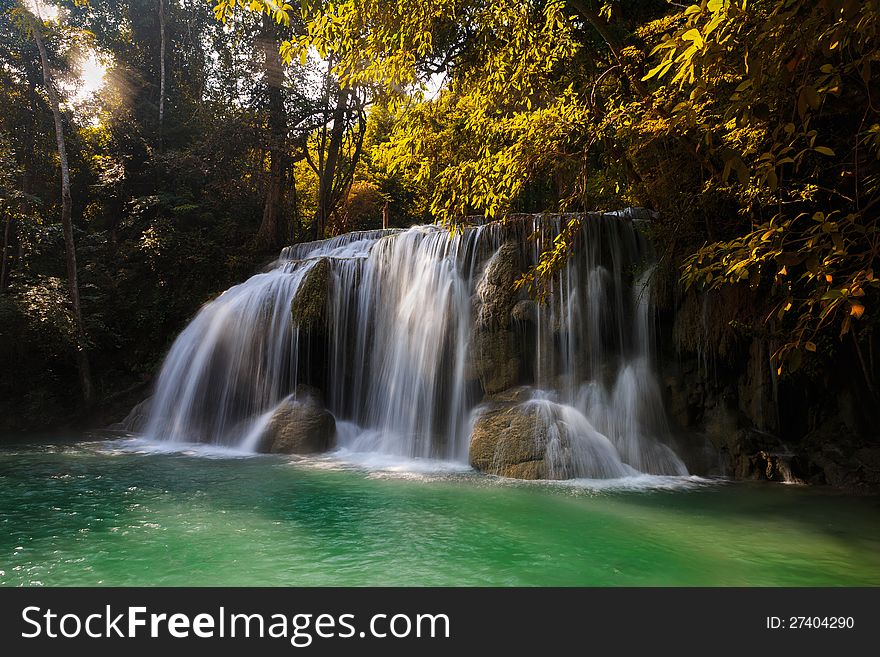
(308,306)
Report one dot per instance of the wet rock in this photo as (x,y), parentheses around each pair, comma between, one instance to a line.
(540,439)
(496,291)
(307,308)
(757,401)
(136,420)
(508,440)
(517,395)
(495,359)
(773,467)
(300,425)
(495,351)
(525,311)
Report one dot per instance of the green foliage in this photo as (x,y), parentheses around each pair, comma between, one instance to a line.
(748,125)
(752,127)
(779,94)
(157,233)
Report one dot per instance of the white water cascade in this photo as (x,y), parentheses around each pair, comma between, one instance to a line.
(394,350)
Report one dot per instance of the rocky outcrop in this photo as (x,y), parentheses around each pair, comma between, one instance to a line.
(725,400)
(757,393)
(136,420)
(715,419)
(525,311)
(526,435)
(496,291)
(508,440)
(835,455)
(300,425)
(496,360)
(307,308)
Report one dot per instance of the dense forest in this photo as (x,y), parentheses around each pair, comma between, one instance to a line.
(156,151)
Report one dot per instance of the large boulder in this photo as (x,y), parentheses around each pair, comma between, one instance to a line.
(299,425)
(524,434)
(508,440)
(307,308)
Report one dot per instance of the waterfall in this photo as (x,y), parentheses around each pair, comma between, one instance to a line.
(407,333)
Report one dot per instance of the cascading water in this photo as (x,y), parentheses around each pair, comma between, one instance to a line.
(417,327)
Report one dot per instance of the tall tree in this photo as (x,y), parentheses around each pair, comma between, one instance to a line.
(273,228)
(329,135)
(338,148)
(161,71)
(36,27)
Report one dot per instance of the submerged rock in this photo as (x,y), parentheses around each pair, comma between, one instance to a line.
(308,304)
(300,425)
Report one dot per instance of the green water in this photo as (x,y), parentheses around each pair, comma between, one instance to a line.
(96,513)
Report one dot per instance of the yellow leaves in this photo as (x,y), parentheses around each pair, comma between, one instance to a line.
(659,71)
(279,11)
(810,346)
(716,21)
(694,36)
(856,309)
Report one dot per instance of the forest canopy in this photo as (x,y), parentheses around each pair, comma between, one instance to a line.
(225,129)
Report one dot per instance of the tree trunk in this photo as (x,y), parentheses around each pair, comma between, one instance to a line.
(66,223)
(161,71)
(5,262)
(597,24)
(272,230)
(327,176)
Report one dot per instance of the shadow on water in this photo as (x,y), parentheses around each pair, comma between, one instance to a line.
(818,510)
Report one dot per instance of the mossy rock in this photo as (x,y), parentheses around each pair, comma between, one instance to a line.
(308,306)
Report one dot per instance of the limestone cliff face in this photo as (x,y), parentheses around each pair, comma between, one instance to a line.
(725,400)
(495,349)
